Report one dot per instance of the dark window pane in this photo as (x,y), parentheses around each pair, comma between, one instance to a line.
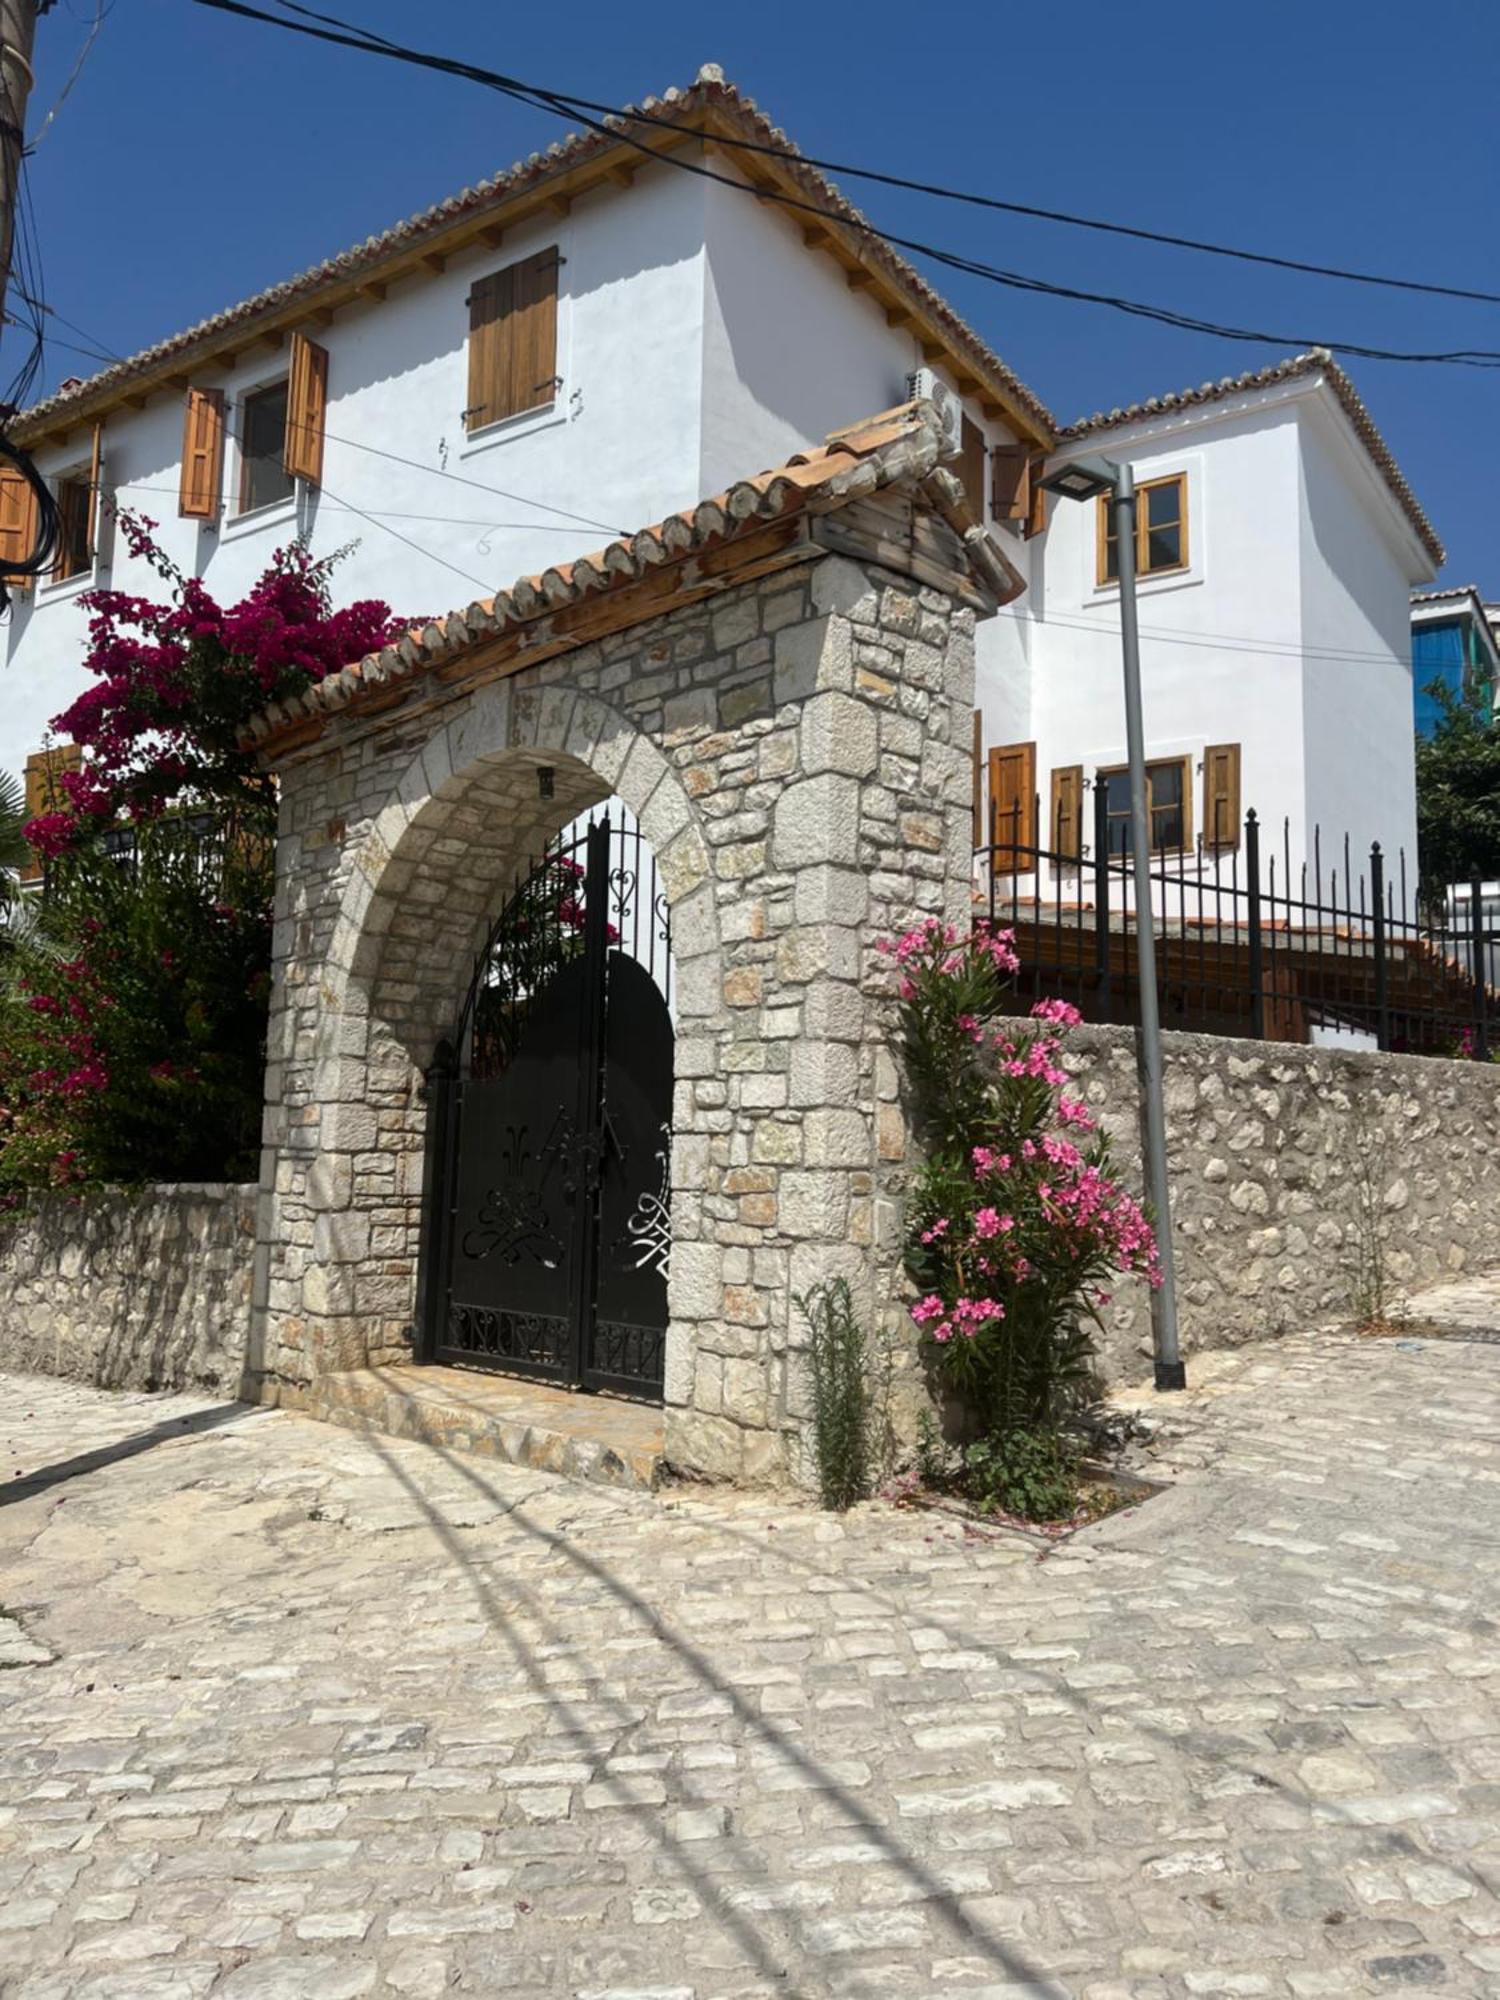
(73,552)
(1164,549)
(1164,505)
(263,477)
(1165,782)
(1166,827)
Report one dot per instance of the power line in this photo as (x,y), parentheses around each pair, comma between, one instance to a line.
(344,35)
(375,522)
(437,472)
(102,13)
(402,514)
(793,156)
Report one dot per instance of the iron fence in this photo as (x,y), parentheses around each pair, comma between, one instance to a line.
(1249,941)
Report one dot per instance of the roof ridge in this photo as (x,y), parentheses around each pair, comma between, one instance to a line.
(710,89)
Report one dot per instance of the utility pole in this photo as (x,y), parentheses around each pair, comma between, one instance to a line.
(17,34)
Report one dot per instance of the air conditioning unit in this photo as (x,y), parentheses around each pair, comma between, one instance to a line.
(923,385)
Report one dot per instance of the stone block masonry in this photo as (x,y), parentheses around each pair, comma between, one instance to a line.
(797,754)
(146,1289)
(1293,1170)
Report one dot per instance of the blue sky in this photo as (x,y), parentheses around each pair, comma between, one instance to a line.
(199,157)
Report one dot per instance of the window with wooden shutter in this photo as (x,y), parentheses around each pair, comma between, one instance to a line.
(513,340)
(18,523)
(1065,822)
(1013,808)
(1221,795)
(44,793)
(198,494)
(306,410)
(1010,482)
(1036,521)
(971,468)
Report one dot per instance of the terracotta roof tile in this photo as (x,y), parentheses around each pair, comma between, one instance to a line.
(712,104)
(1317,361)
(901,446)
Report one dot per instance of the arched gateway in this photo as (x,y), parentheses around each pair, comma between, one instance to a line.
(777,686)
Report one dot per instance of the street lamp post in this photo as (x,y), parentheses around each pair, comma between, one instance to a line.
(1091,479)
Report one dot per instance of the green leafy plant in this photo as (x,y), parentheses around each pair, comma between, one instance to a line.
(845,1407)
(132,1017)
(14,853)
(1016,1223)
(1031,1474)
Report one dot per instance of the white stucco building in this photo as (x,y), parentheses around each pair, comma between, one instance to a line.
(595,323)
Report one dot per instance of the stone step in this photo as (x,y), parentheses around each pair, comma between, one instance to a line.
(603,1439)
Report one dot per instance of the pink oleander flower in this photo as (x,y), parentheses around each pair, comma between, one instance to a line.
(1059,1012)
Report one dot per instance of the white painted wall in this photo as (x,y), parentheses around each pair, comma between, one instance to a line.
(1200,685)
(1357,675)
(790,353)
(1287,633)
(620,445)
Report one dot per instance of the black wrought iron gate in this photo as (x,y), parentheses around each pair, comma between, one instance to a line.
(547,1229)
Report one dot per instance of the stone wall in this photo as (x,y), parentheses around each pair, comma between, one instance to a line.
(797,753)
(1291,1169)
(127,1290)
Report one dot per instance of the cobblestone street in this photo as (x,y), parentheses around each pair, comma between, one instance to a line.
(293,1712)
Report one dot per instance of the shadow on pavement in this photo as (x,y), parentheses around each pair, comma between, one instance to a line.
(29,1484)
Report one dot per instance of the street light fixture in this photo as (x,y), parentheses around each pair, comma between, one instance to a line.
(1093,479)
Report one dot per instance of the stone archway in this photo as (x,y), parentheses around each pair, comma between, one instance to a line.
(791,728)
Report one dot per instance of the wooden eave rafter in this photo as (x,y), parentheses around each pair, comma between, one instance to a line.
(551,196)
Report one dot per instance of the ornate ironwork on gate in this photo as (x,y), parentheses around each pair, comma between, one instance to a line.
(548,1230)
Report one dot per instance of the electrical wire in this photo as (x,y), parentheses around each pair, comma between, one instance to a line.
(102,13)
(375,522)
(937,191)
(460,479)
(537,98)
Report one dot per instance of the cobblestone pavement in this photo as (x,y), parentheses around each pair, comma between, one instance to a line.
(298,1713)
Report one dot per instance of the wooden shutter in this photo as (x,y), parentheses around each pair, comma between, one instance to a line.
(1221,795)
(1065,824)
(96,466)
(18,523)
(513,340)
(306,410)
(1010,489)
(198,495)
(978,793)
(1013,808)
(534,345)
(971,468)
(1036,520)
(43,794)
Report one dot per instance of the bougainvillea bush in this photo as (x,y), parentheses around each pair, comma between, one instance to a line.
(132,1022)
(133,1005)
(1017,1225)
(177,679)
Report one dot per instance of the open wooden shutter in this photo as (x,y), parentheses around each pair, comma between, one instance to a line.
(96,466)
(513,340)
(43,793)
(306,410)
(1065,825)
(1010,482)
(1221,795)
(1036,519)
(971,468)
(534,346)
(18,523)
(1013,808)
(198,495)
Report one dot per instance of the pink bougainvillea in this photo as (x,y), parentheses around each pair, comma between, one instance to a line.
(177,677)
